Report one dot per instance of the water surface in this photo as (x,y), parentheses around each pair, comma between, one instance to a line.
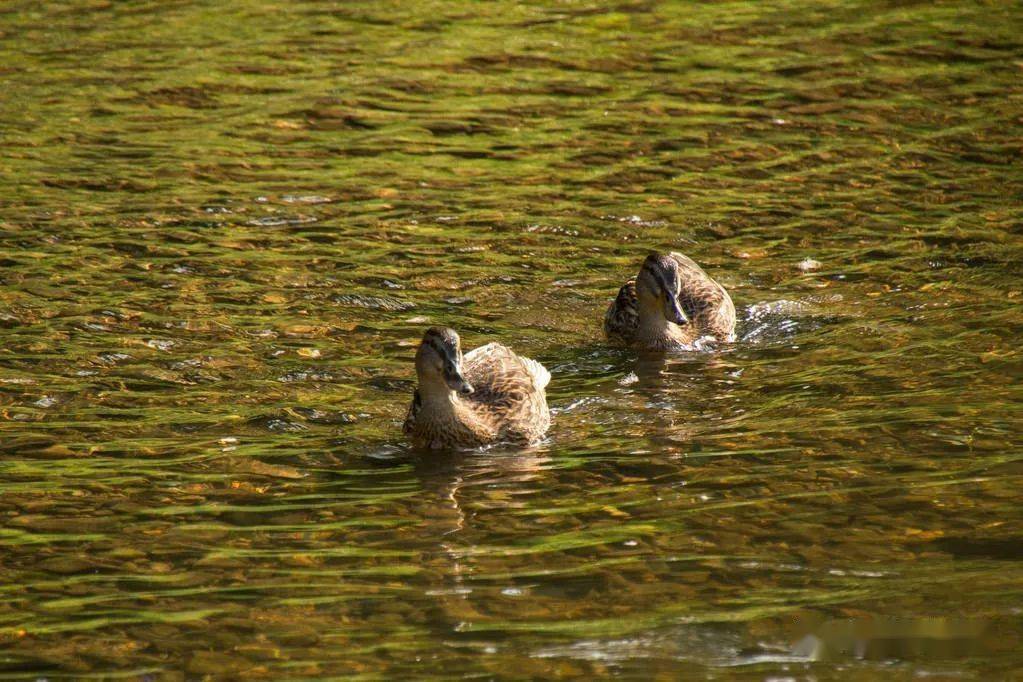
(224,228)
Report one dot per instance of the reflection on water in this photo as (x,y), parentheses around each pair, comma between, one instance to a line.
(939,640)
(886,639)
(223,229)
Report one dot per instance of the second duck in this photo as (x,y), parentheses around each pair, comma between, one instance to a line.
(671,304)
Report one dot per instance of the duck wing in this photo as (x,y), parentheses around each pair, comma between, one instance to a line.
(622,316)
(413,412)
(495,371)
(509,390)
(705,302)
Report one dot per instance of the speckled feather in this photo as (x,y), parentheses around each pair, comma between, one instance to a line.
(460,429)
(622,315)
(705,302)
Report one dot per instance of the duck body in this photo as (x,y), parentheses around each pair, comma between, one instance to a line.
(671,304)
(489,395)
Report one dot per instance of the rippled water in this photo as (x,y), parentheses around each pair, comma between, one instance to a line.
(223,230)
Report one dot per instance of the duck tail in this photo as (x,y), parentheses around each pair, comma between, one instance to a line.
(541,377)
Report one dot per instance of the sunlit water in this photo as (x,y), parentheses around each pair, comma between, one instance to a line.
(222,232)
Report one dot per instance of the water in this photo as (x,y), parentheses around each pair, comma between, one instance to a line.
(223,230)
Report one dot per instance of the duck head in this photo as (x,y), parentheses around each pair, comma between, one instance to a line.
(439,361)
(658,286)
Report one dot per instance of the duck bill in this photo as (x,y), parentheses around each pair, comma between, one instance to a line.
(673,312)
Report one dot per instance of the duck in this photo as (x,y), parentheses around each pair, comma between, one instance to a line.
(671,304)
(486,396)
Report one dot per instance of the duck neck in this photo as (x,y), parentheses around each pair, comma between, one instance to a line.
(439,401)
(653,324)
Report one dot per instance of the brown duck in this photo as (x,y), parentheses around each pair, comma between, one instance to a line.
(671,304)
(489,395)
